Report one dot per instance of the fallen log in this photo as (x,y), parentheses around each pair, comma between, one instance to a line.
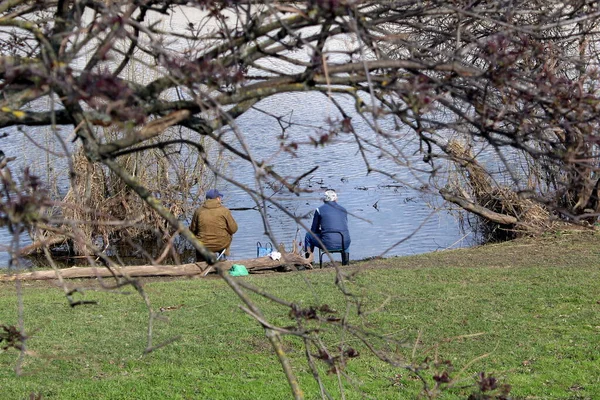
(199,268)
(483,212)
(37,246)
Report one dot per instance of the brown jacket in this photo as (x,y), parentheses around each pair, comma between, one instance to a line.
(214,225)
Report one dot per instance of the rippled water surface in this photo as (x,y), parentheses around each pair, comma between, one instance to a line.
(384,211)
(388,216)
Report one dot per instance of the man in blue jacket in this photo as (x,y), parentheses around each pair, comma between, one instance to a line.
(328,218)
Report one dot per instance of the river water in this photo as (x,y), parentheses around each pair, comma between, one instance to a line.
(388,216)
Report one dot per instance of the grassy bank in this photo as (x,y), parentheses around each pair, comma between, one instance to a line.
(527,312)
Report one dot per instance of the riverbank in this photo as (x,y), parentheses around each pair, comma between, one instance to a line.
(527,312)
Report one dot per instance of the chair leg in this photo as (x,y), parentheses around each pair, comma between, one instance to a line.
(345,258)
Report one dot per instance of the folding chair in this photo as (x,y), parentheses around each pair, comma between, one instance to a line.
(221,254)
(345,254)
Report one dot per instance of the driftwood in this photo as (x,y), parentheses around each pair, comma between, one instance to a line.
(199,268)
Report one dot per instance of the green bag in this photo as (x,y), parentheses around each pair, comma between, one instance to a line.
(238,270)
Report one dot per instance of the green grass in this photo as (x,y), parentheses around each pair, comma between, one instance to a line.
(527,312)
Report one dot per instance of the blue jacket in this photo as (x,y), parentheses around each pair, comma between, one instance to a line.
(331,217)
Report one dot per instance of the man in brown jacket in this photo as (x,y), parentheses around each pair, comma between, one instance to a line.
(213,224)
